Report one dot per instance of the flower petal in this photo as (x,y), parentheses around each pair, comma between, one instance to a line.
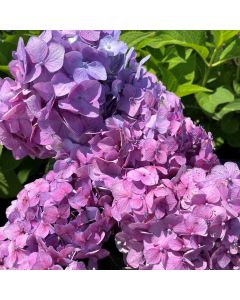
(37,49)
(97,71)
(55,57)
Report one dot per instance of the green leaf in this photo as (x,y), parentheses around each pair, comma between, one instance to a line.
(230,124)
(174,61)
(6,52)
(221,36)
(209,102)
(1,149)
(188,89)
(25,170)
(29,168)
(187,38)
(234,139)
(230,107)
(168,79)
(132,38)
(9,184)
(4,187)
(49,165)
(177,55)
(185,72)
(188,53)
(7,161)
(218,142)
(12,38)
(230,52)
(23,175)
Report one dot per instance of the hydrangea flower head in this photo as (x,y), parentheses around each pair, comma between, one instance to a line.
(62,80)
(202,235)
(129,163)
(57,222)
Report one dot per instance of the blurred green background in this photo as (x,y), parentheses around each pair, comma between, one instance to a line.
(201,66)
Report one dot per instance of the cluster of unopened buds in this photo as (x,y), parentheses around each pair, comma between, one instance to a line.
(128,163)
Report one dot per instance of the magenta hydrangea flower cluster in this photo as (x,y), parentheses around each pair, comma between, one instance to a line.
(192,222)
(57,222)
(129,164)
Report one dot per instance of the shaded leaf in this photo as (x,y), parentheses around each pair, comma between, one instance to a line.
(29,168)
(6,49)
(230,107)
(209,102)
(23,174)
(185,71)
(168,79)
(9,184)
(230,124)
(234,139)
(7,161)
(49,165)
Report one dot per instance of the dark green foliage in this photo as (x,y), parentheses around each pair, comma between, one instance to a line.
(15,173)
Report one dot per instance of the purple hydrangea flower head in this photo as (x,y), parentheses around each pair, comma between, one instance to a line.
(202,235)
(68,84)
(59,77)
(57,222)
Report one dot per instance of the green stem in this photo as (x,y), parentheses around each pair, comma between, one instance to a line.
(208,67)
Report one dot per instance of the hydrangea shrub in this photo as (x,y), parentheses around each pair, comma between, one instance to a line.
(128,163)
